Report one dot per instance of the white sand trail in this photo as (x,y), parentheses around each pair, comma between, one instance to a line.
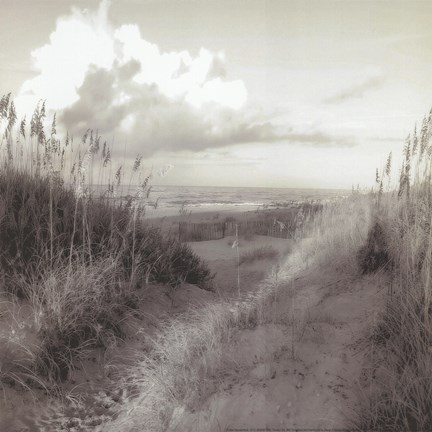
(300,367)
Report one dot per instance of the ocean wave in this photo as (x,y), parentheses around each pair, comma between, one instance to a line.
(197,197)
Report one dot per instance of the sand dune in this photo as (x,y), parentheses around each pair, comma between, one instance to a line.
(300,368)
(297,362)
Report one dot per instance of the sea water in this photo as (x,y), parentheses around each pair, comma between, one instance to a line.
(170,200)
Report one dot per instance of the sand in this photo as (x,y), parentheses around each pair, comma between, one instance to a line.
(222,258)
(302,368)
(91,381)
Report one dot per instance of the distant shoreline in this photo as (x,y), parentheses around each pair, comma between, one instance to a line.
(169,201)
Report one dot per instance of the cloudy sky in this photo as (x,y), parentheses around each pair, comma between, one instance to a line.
(231,92)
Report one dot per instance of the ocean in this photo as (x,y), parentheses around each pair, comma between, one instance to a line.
(170,199)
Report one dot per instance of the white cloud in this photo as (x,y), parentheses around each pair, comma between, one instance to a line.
(79,40)
(112,79)
(83,39)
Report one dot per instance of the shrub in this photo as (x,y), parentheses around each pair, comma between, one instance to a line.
(166,260)
(374,255)
(185,265)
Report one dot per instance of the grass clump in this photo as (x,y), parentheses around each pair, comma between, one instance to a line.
(177,263)
(373,255)
(75,310)
(73,256)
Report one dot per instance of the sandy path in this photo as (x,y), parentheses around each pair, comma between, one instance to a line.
(222,260)
(301,367)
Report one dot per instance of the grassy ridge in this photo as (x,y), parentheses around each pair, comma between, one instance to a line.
(75,258)
(400,241)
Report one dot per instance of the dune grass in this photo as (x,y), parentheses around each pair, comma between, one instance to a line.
(400,242)
(74,257)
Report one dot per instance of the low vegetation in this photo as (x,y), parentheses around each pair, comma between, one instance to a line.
(71,254)
(373,255)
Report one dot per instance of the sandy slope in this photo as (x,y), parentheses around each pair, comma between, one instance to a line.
(89,382)
(222,260)
(301,367)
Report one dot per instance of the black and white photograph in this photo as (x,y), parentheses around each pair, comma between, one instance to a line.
(215,215)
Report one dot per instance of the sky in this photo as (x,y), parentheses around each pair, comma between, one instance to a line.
(263,93)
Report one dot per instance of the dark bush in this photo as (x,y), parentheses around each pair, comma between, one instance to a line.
(183,265)
(374,255)
(40,219)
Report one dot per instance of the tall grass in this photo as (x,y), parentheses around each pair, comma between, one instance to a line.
(335,233)
(74,255)
(401,239)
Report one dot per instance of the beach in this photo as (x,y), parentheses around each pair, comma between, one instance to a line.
(215,216)
(220,254)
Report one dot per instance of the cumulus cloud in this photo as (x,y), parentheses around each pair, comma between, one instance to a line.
(112,79)
(83,40)
(79,40)
(356,91)
(152,121)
